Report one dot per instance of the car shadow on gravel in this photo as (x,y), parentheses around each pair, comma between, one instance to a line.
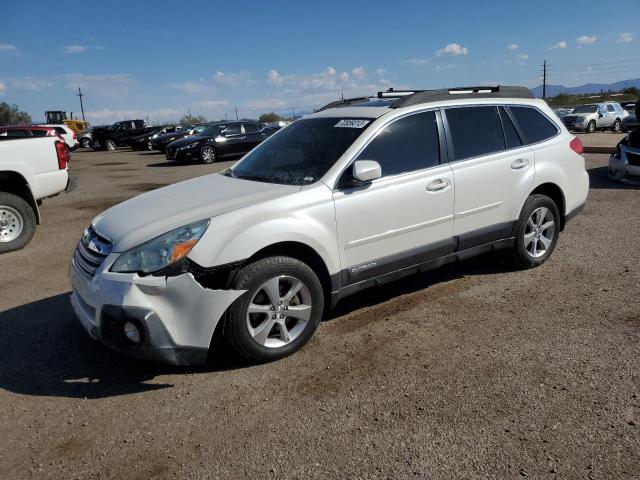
(599,179)
(486,264)
(44,351)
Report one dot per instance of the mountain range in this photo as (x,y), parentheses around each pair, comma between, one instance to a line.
(553,90)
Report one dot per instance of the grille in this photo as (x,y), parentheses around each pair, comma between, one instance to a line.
(633,159)
(91,251)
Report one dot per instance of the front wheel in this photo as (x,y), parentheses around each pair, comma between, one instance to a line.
(85,143)
(110,145)
(278,313)
(537,232)
(17,222)
(207,154)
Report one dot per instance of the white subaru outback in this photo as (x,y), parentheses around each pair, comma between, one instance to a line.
(362,192)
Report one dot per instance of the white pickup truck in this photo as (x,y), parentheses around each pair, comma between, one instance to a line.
(31,169)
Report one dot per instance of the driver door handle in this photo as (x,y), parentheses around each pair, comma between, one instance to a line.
(438,185)
(519,164)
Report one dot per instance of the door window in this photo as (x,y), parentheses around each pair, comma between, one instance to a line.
(405,145)
(39,133)
(475,131)
(233,130)
(610,108)
(250,127)
(17,133)
(535,126)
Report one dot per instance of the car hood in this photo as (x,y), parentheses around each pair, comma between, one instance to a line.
(167,137)
(187,140)
(146,216)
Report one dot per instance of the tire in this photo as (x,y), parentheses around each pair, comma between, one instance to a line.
(535,243)
(17,222)
(207,154)
(85,143)
(591,127)
(615,128)
(244,331)
(110,145)
(149,146)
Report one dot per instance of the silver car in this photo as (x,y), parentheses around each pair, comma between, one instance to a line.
(624,163)
(596,116)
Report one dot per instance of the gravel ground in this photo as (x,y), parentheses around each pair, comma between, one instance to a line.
(473,370)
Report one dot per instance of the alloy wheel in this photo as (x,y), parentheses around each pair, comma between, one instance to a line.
(11,224)
(539,232)
(279,311)
(208,155)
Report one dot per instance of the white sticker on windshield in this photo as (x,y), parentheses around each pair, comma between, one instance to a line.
(351,123)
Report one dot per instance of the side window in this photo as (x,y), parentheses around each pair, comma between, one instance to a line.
(534,125)
(511,137)
(60,131)
(17,133)
(250,127)
(610,108)
(233,129)
(475,131)
(405,145)
(39,133)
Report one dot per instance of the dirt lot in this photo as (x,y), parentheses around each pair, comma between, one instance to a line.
(474,370)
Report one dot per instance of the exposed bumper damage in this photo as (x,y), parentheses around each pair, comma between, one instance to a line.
(176,316)
(624,166)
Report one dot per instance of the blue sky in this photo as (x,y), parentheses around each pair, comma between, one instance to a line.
(161,58)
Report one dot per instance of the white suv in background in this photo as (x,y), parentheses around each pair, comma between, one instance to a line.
(69,136)
(362,192)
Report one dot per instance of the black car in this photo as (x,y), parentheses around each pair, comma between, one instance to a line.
(144,141)
(221,140)
(161,141)
(117,135)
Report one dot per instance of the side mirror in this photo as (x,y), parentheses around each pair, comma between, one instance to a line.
(600,115)
(366,170)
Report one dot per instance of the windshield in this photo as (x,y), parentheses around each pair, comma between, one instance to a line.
(586,109)
(302,152)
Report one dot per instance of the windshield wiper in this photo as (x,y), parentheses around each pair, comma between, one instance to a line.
(228,173)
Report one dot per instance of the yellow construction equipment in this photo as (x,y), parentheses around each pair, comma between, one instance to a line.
(58,117)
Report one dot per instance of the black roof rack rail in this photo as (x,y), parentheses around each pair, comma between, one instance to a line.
(415,97)
(345,102)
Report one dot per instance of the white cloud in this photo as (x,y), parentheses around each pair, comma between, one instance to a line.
(3,88)
(625,37)
(523,57)
(32,84)
(213,104)
(106,116)
(358,73)
(241,78)
(380,72)
(192,86)
(330,71)
(513,46)
(75,49)
(561,44)
(453,49)
(344,77)
(417,61)
(274,78)
(442,68)
(8,48)
(586,40)
(111,86)
(268,104)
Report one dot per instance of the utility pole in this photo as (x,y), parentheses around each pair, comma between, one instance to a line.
(544,79)
(236,113)
(80,94)
(293,111)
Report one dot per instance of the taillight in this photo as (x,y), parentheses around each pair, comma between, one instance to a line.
(63,154)
(576,145)
(75,136)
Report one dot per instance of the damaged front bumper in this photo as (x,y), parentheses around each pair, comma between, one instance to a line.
(175,316)
(624,166)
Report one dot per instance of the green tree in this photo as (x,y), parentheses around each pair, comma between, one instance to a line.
(189,119)
(269,117)
(9,115)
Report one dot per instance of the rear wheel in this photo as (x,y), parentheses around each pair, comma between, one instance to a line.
(537,232)
(85,143)
(591,127)
(616,126)
(110,145)
(207,154)
(17,222)
(279,312)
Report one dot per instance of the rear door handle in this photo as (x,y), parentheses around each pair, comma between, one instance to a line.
(438,185)
(519,164)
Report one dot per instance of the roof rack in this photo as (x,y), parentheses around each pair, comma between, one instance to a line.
(407,98)
(345,102)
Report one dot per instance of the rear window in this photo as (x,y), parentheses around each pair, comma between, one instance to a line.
(60,131)
(475,131)
(534,125)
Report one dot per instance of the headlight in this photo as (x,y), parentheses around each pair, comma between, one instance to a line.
(162,251)
(190,145)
